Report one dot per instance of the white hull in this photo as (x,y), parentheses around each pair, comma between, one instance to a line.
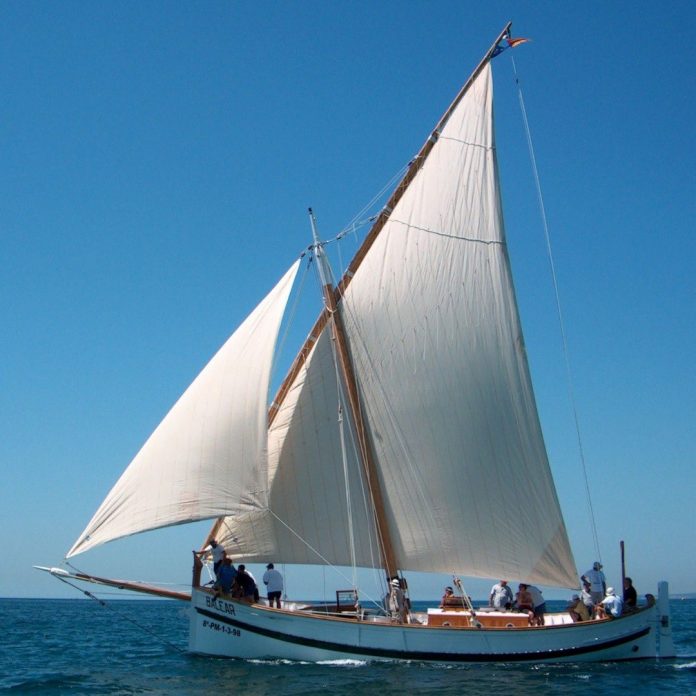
(234,629)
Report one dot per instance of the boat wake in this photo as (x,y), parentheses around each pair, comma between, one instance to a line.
(344,663)
(331,663)
(280,662)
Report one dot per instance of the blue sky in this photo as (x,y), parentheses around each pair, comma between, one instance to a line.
(157,163)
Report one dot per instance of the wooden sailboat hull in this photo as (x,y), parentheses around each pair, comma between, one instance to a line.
(235,629)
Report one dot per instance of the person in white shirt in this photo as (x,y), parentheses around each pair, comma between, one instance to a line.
(218,553)
(586,597)
(598,583)
(539,605)
(396,602)
(612,605)
(273,581)
(501,596)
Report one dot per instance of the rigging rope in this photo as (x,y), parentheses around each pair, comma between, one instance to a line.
(566,353)
(121,615)
(366,494)
(154,583)
(349,507)
(326,277)
(316,551)
(358,221)
(339,415)
(290,318)
(355,223)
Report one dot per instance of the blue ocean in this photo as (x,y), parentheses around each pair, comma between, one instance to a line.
(139,647)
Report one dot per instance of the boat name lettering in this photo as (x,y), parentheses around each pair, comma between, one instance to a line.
(225,607)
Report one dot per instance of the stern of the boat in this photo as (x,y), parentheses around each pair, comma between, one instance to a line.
(665,646)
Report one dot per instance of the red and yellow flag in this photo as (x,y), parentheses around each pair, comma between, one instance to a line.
(516,42)
(511,43)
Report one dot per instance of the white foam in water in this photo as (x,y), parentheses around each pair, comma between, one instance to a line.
(344,663)
(256,661)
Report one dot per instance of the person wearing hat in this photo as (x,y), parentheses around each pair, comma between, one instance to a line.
(598,583)
(448,599)
(577,609)
(611,606)
(273,581)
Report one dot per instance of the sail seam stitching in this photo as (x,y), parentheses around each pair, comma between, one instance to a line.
(487,148)
(488,242)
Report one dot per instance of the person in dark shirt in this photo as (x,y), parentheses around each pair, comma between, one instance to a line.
(246,587)
(630,596)
(226,576)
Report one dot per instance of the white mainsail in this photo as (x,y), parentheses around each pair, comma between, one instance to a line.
(208,456)
(436,341)
(439,356)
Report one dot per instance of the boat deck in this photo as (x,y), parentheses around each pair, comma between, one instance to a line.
(448,617)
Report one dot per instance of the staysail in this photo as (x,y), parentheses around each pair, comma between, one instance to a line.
(308,517)
(208,456)
(439,355)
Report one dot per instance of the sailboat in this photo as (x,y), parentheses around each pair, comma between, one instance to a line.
(405,437)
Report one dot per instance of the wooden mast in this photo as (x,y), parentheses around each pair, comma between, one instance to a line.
(337,292)
(348,374)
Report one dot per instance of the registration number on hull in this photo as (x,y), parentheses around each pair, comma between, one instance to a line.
(221,628)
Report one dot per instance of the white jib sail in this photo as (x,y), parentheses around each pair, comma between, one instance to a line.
(438,349)
(208,456)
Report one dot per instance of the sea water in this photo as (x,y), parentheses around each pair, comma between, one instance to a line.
(59,646)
